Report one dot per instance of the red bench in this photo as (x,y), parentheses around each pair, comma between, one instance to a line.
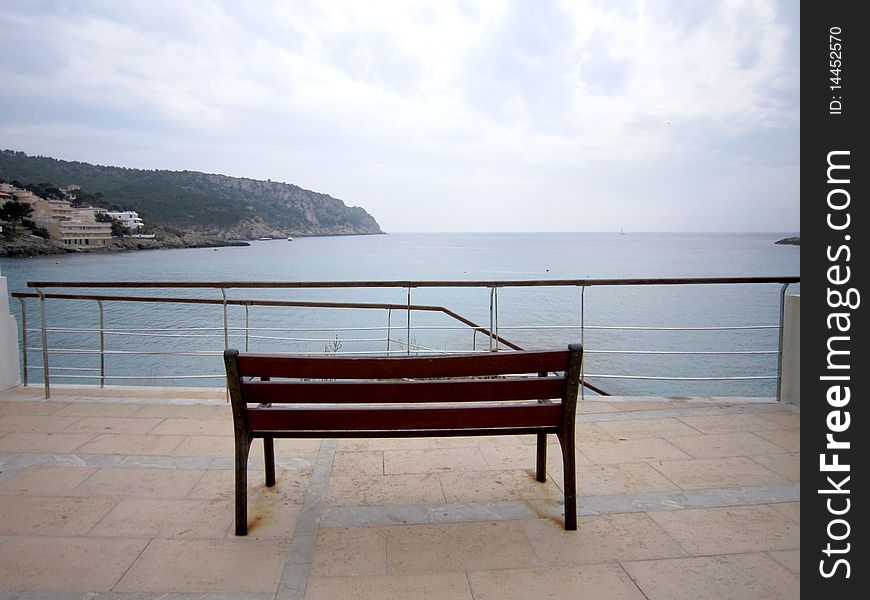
(503,393)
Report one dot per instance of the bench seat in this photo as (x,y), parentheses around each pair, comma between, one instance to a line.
(504,393)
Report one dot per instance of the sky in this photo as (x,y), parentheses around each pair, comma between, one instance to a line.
(454,115)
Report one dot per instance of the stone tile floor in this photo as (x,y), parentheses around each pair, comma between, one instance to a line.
(127,493)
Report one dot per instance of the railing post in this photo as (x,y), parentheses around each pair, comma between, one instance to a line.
(409,324)
(43,328)
(491,322)
(495,311)
(389,327)
(226,326)
(23,339)
(779,342)
(582,341)
(246,327)
(102,348)
(226,338)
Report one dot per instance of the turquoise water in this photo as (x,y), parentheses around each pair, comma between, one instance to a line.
(437,257)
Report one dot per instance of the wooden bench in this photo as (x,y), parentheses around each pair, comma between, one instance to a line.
(338,397)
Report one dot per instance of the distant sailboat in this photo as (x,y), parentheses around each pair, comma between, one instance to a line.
(621,231)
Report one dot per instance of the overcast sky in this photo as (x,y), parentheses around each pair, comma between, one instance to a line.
(434,116)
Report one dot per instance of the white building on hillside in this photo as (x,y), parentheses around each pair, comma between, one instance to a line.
(65,223)
(128,218)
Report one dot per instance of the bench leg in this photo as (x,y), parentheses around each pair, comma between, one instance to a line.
(269,454)
(541,467)
(566,440)
(243,447)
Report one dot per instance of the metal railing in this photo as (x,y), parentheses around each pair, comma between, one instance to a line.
(494,340)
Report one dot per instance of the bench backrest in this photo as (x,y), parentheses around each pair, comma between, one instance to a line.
(337,386)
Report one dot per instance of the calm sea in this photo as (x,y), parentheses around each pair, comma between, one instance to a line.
(530,317)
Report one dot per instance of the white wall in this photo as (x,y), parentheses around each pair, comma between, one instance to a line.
(10,373)
(790,391)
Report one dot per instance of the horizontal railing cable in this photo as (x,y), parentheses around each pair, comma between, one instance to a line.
(290,334)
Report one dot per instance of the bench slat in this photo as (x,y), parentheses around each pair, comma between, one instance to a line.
(370,392)
(346,367)
(401,433)
(411,418)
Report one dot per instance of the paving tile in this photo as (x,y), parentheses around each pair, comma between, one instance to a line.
(600,538)
(612,452)
(644,428)
(46,481)
(112,425)
(640,403)
(140,483)
(790,559)
(627,478)
(350,552)
(290,448)
(49,515)
(525,457)
(787,465)
(30,407)
(219,484)
(587,432)
(792,510)
(465,441)
(457,547)
(208,445)
(164,518)
(716,472)
(789,439)
(785,418)
(65,564)
(180,411)
(474,512)
(493,486)
(594,406)
(348,489)
(604,581)
(727,577)
(730,423)
(132,443)
(730,529)
(420,586)
(288,451)
(721,445)
(270,519)
(232,565)
(35,423)
(355,445)
(97,409)
(176,426)
(369,462)
(433,461)
(53,443)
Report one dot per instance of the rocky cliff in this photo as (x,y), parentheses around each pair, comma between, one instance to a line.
(201,204)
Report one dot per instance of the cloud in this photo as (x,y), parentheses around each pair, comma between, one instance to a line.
(501,114)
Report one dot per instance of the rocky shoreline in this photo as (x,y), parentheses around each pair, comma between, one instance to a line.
(27,245)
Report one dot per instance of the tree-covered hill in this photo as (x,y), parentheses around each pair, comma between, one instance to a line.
(232,207)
